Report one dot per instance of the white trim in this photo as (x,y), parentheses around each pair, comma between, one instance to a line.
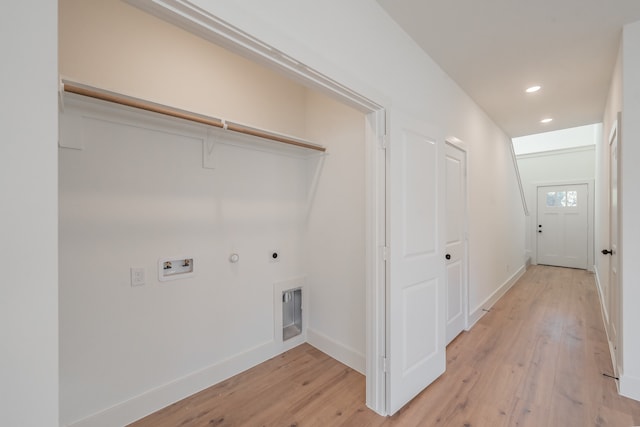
(480,310)
(376,265)
(452,140)
(630,387)
(556,152)
(140,406)
(342,353)
(516,169)
(184,14)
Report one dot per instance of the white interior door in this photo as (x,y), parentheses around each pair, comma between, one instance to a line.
(563,231)
(614,291)
(456,165)
(416,305)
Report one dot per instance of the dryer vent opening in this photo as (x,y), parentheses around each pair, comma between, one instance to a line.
(291,313)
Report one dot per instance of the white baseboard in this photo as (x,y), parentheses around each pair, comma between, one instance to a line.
(477,313)
(630,387)
(338,351)
(155,399)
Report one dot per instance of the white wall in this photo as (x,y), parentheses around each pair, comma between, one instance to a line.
(335,233)
(557,167)
(28,216)
(630,210)
(496,219)
(135,195)
(357,44)
(558,140)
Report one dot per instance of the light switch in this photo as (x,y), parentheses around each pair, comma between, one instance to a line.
(137,276)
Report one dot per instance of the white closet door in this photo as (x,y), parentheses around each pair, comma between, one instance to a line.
(416,289)
(456,165)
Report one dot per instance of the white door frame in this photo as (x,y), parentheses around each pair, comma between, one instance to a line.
(182,14)
(457,143)
(590,215)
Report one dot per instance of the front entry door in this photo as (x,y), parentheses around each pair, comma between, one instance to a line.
(562,230)
(416,288)
(456,166)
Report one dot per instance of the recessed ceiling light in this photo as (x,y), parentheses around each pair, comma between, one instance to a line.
(533,89)
(547,120)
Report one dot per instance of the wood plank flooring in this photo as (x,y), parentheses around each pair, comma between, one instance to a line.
(536,359)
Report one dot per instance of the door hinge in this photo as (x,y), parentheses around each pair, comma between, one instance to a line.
(383,135)
(384,139)
(385,365)
(384,253)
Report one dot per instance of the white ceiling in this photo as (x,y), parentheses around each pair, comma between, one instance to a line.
(495,49)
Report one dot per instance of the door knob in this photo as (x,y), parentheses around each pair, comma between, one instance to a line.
(447,256)
(607,252)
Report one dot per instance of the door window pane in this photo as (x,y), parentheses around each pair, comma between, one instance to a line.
(571,200)
(562,199)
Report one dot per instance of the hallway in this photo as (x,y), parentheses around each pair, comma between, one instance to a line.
(536,359)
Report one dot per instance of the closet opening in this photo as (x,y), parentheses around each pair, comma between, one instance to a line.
(137,187)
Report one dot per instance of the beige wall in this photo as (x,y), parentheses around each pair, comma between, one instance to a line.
(114,46)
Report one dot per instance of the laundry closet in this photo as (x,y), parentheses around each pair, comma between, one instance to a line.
(190,252)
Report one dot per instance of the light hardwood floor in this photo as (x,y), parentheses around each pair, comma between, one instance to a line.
(536,359)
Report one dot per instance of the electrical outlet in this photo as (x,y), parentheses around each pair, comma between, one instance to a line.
(137,276)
